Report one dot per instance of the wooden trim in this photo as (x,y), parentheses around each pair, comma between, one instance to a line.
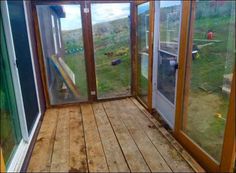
(205,160)
(40,54)
(150,62)
(133,49)
(187,7)
(148,105)
(228,151)
(138,2)
(88,102)
(142,102)
(2,162)
(89,51)
(31,146)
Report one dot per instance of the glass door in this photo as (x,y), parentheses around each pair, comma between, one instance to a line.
(208,106)
(112,54)
(10,132)
(144,14)
(168,15)
(62,40)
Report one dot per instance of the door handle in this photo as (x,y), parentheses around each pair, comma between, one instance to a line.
(174,64)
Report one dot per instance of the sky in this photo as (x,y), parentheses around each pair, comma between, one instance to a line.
(100,13)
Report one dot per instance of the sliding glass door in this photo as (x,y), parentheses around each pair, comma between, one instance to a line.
(112,55)
(10,132)
(62,40)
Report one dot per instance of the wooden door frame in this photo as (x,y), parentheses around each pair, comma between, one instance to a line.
(89,3)
(2,162)
(228,150)
(40,49)
(147,105)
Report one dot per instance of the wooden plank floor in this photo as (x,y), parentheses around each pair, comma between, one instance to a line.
(113,136)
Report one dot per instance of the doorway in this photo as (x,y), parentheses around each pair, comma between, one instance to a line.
(166,50)
(85,46)
(112,55)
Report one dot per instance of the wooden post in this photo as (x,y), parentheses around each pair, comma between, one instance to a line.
(2,163)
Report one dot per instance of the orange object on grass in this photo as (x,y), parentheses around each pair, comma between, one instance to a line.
(210,35)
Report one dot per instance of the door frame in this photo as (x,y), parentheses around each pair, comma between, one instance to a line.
(228,149)
(147,105)
(87,45)
(158,97)
(88,4)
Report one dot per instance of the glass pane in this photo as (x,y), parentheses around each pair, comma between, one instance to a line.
(63,49)
(111,38)
(24,62)
(212,64)
(168,48)
(143,49)
(10,133)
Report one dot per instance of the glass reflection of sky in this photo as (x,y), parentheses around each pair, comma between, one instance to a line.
(100,12)
(169,3)
(109,12)
(73,17)
(103,12)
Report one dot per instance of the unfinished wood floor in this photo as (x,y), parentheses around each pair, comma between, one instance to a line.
(114,136)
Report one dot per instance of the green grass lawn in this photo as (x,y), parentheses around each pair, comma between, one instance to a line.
(111,80)
(207,72)
(76,62)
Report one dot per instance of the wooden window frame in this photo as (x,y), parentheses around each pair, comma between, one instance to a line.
(228,149)
(147,105)
(88,46)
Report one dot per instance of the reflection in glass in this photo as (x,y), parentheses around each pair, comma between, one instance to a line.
(143,49)
(111,38)
(10,134)
(63,50)
(211,72)
(168,48)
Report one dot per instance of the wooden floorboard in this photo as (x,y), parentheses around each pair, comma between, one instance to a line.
(43,149)
(60,156)
(151,155)
(115,158)
(95,153)
(187,157)
(78,159)
(168,152)
(113,136)
(131,152)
